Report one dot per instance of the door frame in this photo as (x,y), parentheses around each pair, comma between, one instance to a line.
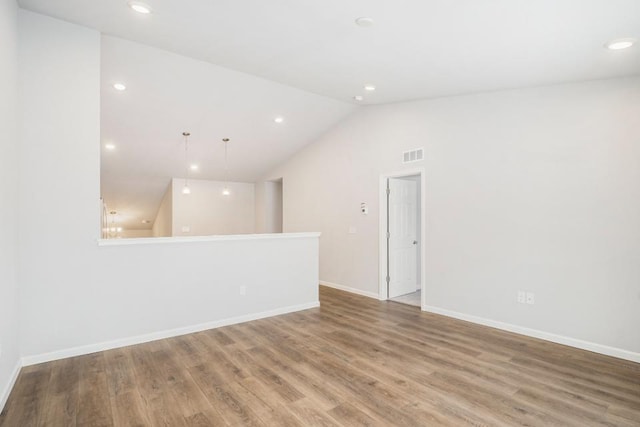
(382,233)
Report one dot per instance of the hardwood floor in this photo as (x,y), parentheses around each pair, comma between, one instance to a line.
(354,361)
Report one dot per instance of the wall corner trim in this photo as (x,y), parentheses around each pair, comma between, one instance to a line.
(534,333)
(12,381)
(349,289)
(154,336)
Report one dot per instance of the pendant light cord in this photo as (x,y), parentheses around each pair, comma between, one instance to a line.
(226,165)
(186,159)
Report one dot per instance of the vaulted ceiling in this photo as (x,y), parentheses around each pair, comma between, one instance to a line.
(241,63)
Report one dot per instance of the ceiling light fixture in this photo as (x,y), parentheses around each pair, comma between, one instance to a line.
(358,98)
(619,44)
(140,7)
(279,119)
(369,88)
(226,191)
(110,147)
(119,86)
(186,189)
(194,167)
(146,221)
(364,22)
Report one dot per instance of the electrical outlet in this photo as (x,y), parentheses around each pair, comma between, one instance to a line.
(521,297)
(531,298)
(243,290)
(186,229)
(352,230)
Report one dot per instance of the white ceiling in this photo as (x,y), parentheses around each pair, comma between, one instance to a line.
(416,49)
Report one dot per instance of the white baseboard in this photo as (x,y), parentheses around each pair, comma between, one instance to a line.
(12,381)
(348,289)
(140,339)
(547,336)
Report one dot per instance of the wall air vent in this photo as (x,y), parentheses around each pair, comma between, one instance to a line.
(416,155)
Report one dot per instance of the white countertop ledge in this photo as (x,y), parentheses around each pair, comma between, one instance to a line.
(196,239)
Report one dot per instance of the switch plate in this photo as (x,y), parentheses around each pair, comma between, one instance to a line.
(531,298)
(243,290)
(521,297)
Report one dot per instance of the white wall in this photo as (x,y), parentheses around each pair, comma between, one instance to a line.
(535,189)
(78,295)
(9,346)
(163,223)
(206,211)
(273,202)
(268,206)
(134,234)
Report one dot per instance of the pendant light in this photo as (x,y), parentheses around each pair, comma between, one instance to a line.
(114,230)
(186,189)
(226,191)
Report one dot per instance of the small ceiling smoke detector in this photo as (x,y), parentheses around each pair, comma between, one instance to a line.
(358,98)
(140,7)
(364,22)
(119,86)
(279,119)
(619,44)
(369,88)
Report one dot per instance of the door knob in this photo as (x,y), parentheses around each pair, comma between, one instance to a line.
(415,242)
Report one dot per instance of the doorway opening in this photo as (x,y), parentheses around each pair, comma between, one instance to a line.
(273,205)
(401,237)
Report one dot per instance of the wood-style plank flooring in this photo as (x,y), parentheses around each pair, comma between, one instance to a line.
(354,361)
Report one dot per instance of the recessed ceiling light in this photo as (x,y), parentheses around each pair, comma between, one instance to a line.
(119,86)
(279,119)
(358,98)
(618,44)
(194,167)
(140,7)
(110,147)
(369,88)
(364,21)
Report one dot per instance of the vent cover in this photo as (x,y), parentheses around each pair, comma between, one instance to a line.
(411,156)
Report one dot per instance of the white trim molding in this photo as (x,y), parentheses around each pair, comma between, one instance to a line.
(547,336)
(351,290)
(140,339)
(12,381)
(192,239)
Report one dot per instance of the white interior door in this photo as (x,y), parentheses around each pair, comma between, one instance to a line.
(403,236)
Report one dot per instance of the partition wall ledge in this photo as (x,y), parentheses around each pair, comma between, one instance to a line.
(196,239)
